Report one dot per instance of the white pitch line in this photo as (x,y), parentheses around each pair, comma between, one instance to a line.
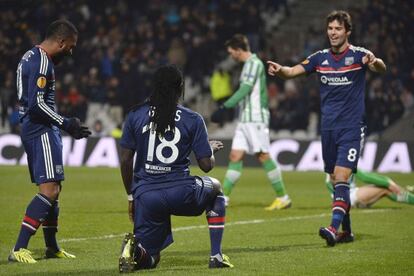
(242,222)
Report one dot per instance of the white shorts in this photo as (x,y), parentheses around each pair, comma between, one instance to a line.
(251,138)
(354,199)
(353,196)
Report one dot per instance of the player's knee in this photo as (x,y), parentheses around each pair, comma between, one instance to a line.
(51,190)
(216,185)
(51,195)
(263,157)
(236,156)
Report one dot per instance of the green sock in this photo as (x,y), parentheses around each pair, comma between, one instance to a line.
(405,197)
(232,175)
(329,184)
(373,178)
(275,176)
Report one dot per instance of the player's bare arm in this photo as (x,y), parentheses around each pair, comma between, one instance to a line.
(374,64)
(127,167)
(285,72)
(206,164)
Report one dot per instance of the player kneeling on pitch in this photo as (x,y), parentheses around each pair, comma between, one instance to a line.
(163,134)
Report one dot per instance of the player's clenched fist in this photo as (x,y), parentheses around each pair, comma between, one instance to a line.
(273,68)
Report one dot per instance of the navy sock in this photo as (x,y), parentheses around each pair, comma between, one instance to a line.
(346,223)
(50,227)
(36,212)
(215,217)
(340,204)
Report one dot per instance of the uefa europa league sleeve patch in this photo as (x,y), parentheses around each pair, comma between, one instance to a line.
(41,82)
(306,61)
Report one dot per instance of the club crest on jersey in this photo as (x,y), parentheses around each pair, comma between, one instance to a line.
(59,169)
(349,60)
(41,82)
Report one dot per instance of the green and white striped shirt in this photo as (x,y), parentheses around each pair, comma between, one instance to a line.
(254,106)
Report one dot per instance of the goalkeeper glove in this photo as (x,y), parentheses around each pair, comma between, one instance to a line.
(218,115)
(74,128)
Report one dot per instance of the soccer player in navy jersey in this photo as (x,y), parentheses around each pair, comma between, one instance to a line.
(163,133)
(40,134)
(341,72)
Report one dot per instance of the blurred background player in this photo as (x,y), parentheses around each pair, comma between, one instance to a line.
(375,187)
(220,87)
(163,134)
(41,137)
(252,132)
(341,71)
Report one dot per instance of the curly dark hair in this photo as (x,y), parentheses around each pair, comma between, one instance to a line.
(168,86)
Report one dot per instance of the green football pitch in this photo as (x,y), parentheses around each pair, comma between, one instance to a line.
(93,218)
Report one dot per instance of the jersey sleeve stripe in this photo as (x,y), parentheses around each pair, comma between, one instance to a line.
(253,73)
(41,62)
(246,71)
(44,62)
(46,109)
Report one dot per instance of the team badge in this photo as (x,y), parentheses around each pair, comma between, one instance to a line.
(306,61)
(41,82)
(349,60)
(59,169)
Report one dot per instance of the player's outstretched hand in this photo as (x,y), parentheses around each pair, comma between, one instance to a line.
(216,145)
(273,68)
(76,130)
(369,59)
(218,115)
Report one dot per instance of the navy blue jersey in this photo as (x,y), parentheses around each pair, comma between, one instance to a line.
(163,162)
(36,94)
(342,86)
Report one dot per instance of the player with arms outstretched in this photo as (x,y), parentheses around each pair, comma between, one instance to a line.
(40,134)
(341,73)
(163,134)
(252,132)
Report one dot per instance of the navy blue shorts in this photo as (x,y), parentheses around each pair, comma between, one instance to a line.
(153,210)
(44,157)
(342,147)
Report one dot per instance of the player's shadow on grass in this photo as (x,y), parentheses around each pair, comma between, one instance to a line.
(238,250)
(246,204)
(366,236)
(113,271)
(322,209)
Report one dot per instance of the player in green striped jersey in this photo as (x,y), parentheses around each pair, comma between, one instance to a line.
(252,132)
(374,187)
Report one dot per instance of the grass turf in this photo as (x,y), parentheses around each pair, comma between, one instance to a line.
(93,217)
